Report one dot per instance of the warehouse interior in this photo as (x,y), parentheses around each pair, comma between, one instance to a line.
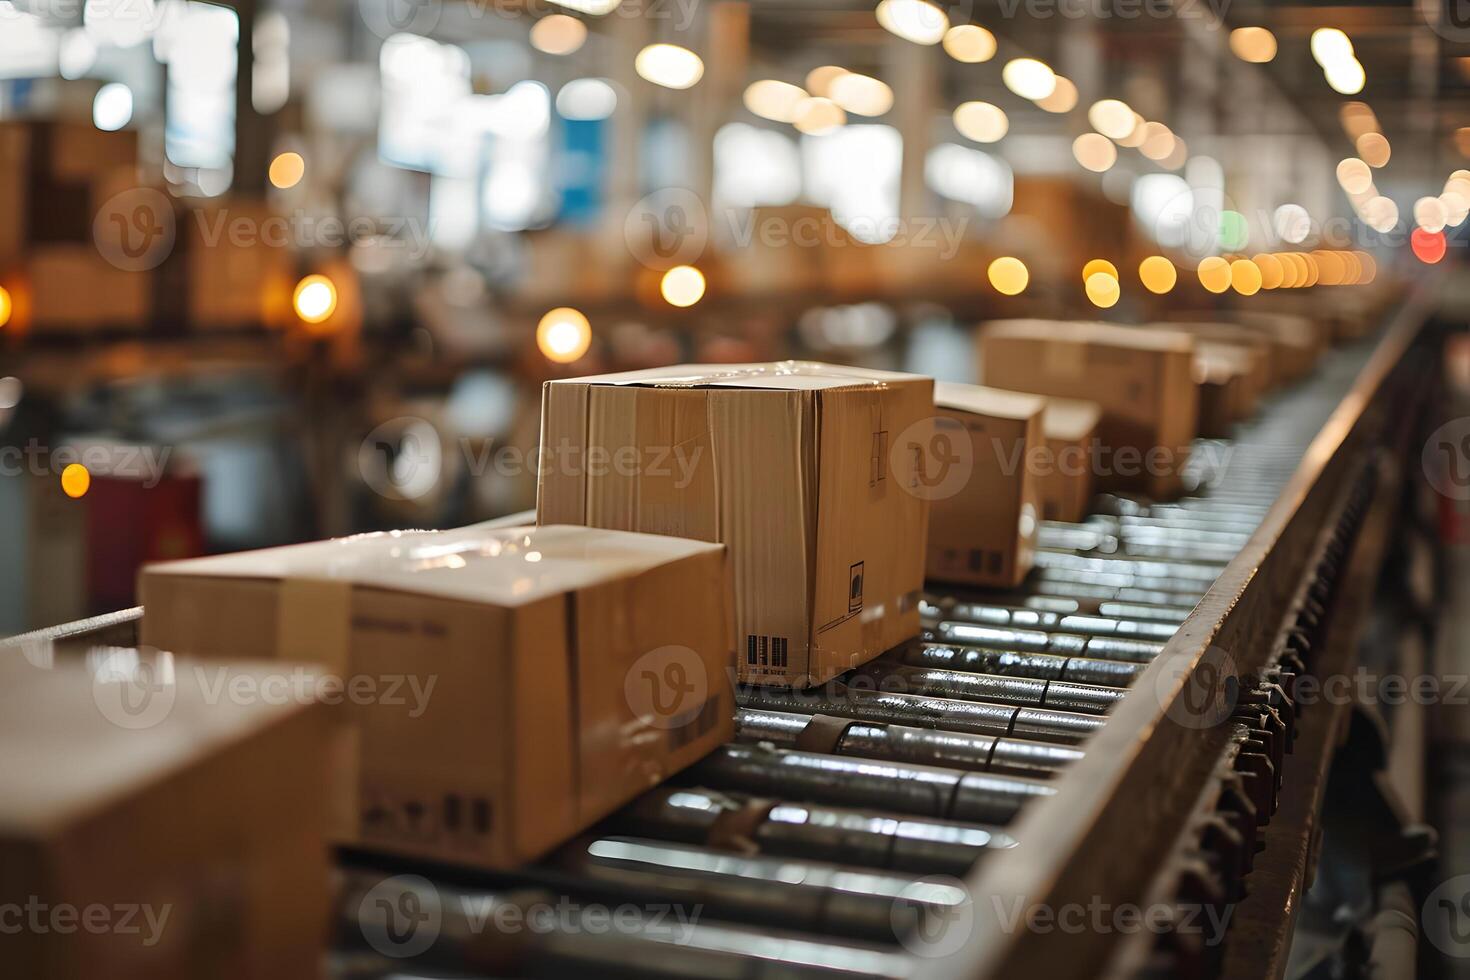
(734,488)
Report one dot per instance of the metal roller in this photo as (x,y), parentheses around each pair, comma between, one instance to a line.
(901,743)
(884,675)
(553,936)
(1083,670)
(973,717)
(1060,644)
(929,791)
(809,896)
(862,837)
(1037,619)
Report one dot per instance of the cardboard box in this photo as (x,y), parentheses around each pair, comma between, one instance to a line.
(1297,341)
(520,683)
(1141,378)
(808,472)
(157,828)
(73,289)
(983,530)
(1065,476)
(1228,387)
(1254,346)
(238,260)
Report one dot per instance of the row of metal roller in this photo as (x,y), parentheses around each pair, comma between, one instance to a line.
(810,846)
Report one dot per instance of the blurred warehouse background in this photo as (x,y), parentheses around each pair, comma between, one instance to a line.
(273,272)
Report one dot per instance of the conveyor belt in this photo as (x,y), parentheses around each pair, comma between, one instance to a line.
(842,829)
(827,820)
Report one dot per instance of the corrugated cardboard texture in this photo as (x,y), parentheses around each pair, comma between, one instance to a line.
(1065,485)
(529,638)
(212,820)
(790,465)
(1141,377)
(984,533)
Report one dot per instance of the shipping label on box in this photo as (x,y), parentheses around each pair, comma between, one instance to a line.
(982,530)
(808,472)
(506,687)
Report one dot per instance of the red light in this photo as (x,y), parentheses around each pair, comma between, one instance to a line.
(1429,246)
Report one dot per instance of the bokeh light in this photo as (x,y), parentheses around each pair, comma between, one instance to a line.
(1214,274)
(1245,277)
(969,43)
(682,286)
(1008,275)
(1157,274)
(75,481)
(286,170)
(1428,246)
(1103,290)
(564,335)
(315,298)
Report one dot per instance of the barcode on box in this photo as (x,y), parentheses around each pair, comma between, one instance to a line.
(695,724)
(765,651)
(982,560)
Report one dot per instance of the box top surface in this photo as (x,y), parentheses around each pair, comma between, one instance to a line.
(501,566)
(778,375)
(1069,418)
(992,402)
(1148,338)
(79,734)
(1218,331)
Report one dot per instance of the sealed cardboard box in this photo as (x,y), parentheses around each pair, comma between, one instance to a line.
(507,686)
(808,472)
(160,820)
(1065,471)
(982,530)
(1141,378)
(1254,350)
(1228,387)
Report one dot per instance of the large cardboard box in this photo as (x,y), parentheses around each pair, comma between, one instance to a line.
(810,473)
(1141,378)
(160,820)
(1065,471)
(508,686)
(982,530)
